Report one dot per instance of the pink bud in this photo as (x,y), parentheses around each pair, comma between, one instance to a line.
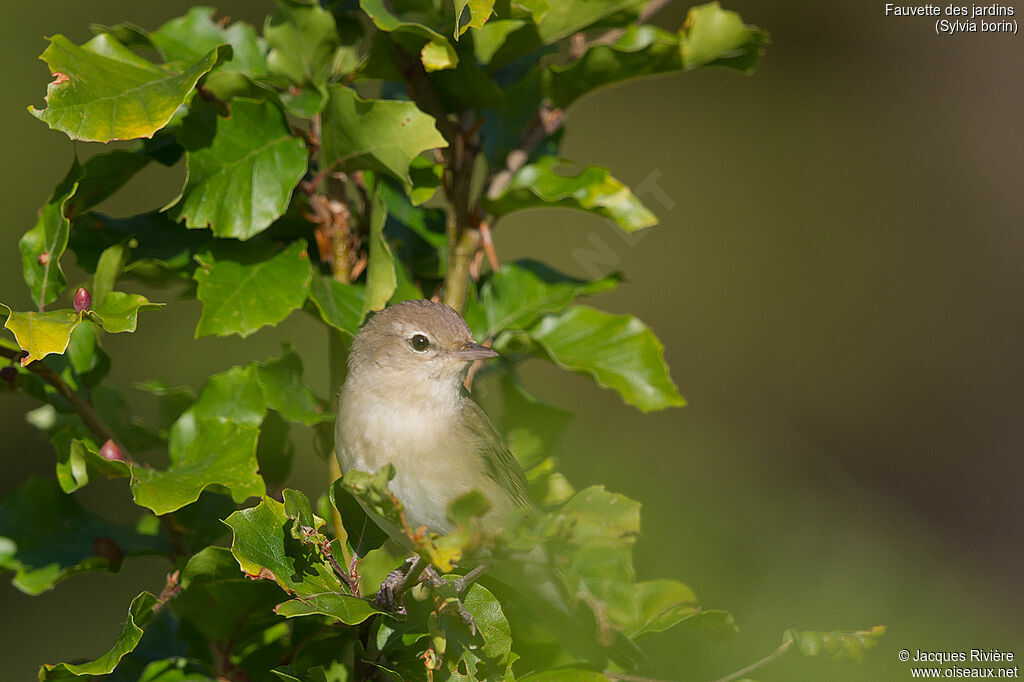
(112,453)
(83,300)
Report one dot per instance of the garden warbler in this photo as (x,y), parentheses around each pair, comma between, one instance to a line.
(403,403)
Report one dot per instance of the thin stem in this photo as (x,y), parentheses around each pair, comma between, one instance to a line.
(754,666)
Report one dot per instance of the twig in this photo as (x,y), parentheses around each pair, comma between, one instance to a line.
(546,122)
(85,411)
(611,35)
(754,666)
(171,588)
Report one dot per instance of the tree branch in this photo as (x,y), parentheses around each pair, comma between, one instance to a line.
(754,666)
(85,411)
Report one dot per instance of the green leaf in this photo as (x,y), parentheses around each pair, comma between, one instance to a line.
(340,305)
(436,54)
(47,536)
(520,292)
(221,453)
(43,245)
(836,645)
(381,279)
(188,38)
(303,42)
(340,608)
(375,134)
(593,190)
(108,269)
(264,548)
(219,601)
(284,390)
(363,532)
(241,170)
(479,12)
(102,91)
(713,36)
(619,351)
(78,462)
(569,16)
(531,427)
(140,614)
(241,296)
(42,333)
(119,311)
(659,604)
(640,51)
(103,175)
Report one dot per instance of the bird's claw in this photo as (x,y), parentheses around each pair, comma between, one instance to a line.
(390,596)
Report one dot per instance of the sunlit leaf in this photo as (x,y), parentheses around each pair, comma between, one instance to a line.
(102,91)
(569,16)
(341,608)
(713,36)
(340,305)
(436,54)
(380,269)
(836,645)
(521,291)
(375,134)
(619,351)
(594,190)
(479,12)
(47,536)
(78,462)
(140,614)
(108,269)
(189,37)
(42,333)
(241,169)
(241,296)
(119,311)
(303,42)
(43,245)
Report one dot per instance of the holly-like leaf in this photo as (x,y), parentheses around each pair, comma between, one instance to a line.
(303,42)
(375,134)
(619,351)
(241,296)
(341,608)
(43,245)
(140,614)
(593,190)
(46,536)
(119,311)
(40,334)
(264,548)
(836,645)
(381,279)
(713,36)
(436,53)
(241,169)
(103,91)
(189,37)
(520,292)
(284,390)
(340,305)
(640,51)
(479,12)
(565,17)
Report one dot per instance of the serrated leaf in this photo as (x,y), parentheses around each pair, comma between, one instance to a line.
(520,292)
(340,305)
(593,189)
(836,645)
(375,134)
(240,297)
(47,536)
(140,614)
(569,16)
(713,36)
(284,390)
(119,311)
(640,51)
(42,333)
(43,245)
(188,38)
(341,608)
(303,42)
(619,351)
(381,279)
(241,170)
(103,91)
(436,54)
(264,548)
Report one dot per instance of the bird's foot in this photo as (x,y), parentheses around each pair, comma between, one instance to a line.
(390,596)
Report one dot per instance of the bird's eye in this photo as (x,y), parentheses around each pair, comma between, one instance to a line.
(419,343)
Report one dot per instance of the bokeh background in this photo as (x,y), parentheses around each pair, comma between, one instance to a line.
(838,283)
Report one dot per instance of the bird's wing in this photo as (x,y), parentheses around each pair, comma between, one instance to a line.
(499,462)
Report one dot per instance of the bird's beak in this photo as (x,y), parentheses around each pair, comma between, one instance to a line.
(474,351)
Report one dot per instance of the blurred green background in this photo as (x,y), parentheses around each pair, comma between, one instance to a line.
(837,281)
